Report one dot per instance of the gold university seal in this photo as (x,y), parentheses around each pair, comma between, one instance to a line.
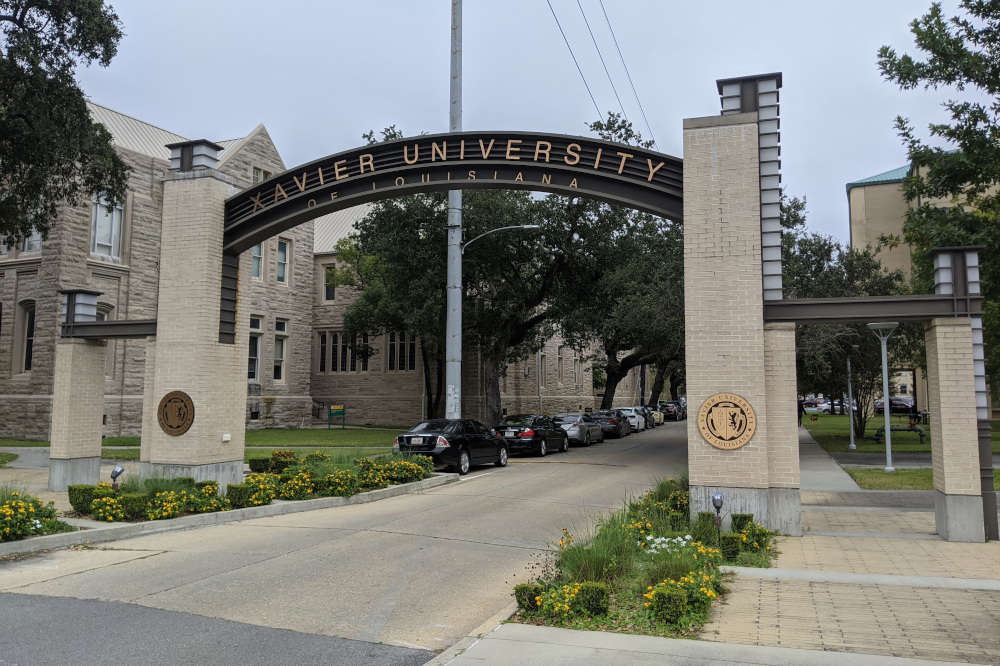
(727,421)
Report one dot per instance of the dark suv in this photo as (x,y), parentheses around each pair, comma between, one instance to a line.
(459,443)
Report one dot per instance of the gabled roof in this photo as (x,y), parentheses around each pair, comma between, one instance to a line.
(329,229)
(893,176)
(145,139)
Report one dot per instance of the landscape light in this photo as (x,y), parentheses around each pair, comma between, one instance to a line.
(115,473)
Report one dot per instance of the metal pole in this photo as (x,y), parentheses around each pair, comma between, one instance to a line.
(886,404)
(850,406)
(453,329)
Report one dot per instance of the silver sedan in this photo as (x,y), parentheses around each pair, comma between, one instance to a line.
(579,427)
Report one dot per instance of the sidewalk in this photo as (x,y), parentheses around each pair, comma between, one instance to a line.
(869,578)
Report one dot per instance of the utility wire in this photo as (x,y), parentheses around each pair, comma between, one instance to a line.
(601,56)
(574,59)
(627,74)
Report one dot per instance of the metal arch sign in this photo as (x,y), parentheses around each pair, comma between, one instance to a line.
(575,166)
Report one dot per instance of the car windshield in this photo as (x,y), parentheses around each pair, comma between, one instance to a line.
(604,415)
(566,418)
(519,420)
(437,425)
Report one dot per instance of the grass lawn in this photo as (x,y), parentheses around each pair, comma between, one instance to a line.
(6,458)
(831,431)
(275,439)
(901,479)
(112,453)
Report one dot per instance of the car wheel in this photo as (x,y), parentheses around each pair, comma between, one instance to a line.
(464,462)
(565,444)
(502,458)
(586,439)
(601,440)
(542,448)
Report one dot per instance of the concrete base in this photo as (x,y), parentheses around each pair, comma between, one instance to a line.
(737,500)
(959,517)
(225,473)
(65,472)
(784,510)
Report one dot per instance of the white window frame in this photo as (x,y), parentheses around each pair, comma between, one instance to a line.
(327,298)
(117,221)
(257,261)
(577,369)
(284,268)
(26,334)
(541,369)
(258,175)
(280,351)
(255,336)
(32,243)
(559,365)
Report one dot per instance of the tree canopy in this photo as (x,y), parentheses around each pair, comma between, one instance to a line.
(51,152)
(953,188)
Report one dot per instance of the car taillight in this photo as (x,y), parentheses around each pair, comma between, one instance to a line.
(442,441)
(527,433)
(614,421)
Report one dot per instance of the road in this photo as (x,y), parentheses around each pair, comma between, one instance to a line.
(387,582)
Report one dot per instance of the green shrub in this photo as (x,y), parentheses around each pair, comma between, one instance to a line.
(756,560)
(259,465)
(107,509)
(741,520)
(257,490)
(186,480)
(705,532)
(401,471)
(705,517)
(239,495)
(299,487)
(154,485)
(608,556)
(371,473)
(133,505)
(526,595)
(315,457)
(756,538)
(666,603)
(281,460)
(23,514)
(80,497)
(342,483)
(201,485)
(729,544)
(164,505)
(594,598)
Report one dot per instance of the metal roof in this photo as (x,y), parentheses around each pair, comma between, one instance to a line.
(894,176)
(133,134)
(329,229)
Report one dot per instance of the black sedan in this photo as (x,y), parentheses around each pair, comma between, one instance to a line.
(670,411)
(682,412)
(580,427)
(458,443)
(613,423)
(531,433)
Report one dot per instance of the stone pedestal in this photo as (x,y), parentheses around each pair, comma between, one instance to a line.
(77,413)
(958,506)
(186,354)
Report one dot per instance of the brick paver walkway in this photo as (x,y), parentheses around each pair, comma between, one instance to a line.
(871,522)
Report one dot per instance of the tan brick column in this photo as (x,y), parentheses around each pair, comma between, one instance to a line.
(951,395)
(724,311)
(77,413)
(187,355)
(785,498)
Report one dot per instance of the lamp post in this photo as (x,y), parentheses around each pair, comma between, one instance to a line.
(850,402)
(453,325)
(717,500)
(883,331)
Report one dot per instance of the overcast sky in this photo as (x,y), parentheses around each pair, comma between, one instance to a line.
(319,73)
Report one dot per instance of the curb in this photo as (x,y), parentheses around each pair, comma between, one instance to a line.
(476,635)
(104,532)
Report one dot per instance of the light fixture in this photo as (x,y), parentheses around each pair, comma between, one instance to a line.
(115,473)
(883,330)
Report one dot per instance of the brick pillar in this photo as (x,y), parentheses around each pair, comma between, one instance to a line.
(186,354)
(958,506)
(785,498)
(77,413)
(724,306)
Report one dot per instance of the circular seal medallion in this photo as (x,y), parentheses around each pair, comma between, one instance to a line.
(727,421)
(175,413)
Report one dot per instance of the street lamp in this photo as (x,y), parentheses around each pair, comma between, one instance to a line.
(850,401)
(883,331)
(453,325)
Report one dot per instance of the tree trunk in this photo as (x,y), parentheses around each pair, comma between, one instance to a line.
(491,375)
(658,382)
(614,377)
(675,383)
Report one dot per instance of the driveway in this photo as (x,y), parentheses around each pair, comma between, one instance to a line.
(414,574)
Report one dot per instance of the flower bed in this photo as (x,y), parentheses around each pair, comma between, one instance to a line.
(297,478)
(645,569)
(22,515)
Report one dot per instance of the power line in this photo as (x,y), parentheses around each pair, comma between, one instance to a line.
(574,59)
(601,56)
(627,74)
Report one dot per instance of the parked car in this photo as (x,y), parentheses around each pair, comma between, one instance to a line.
(613,423)
(458,443)
(835,407)
(896,406)
(682,412)
(531,433)
(637,421)
(580,427)
(647,413)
